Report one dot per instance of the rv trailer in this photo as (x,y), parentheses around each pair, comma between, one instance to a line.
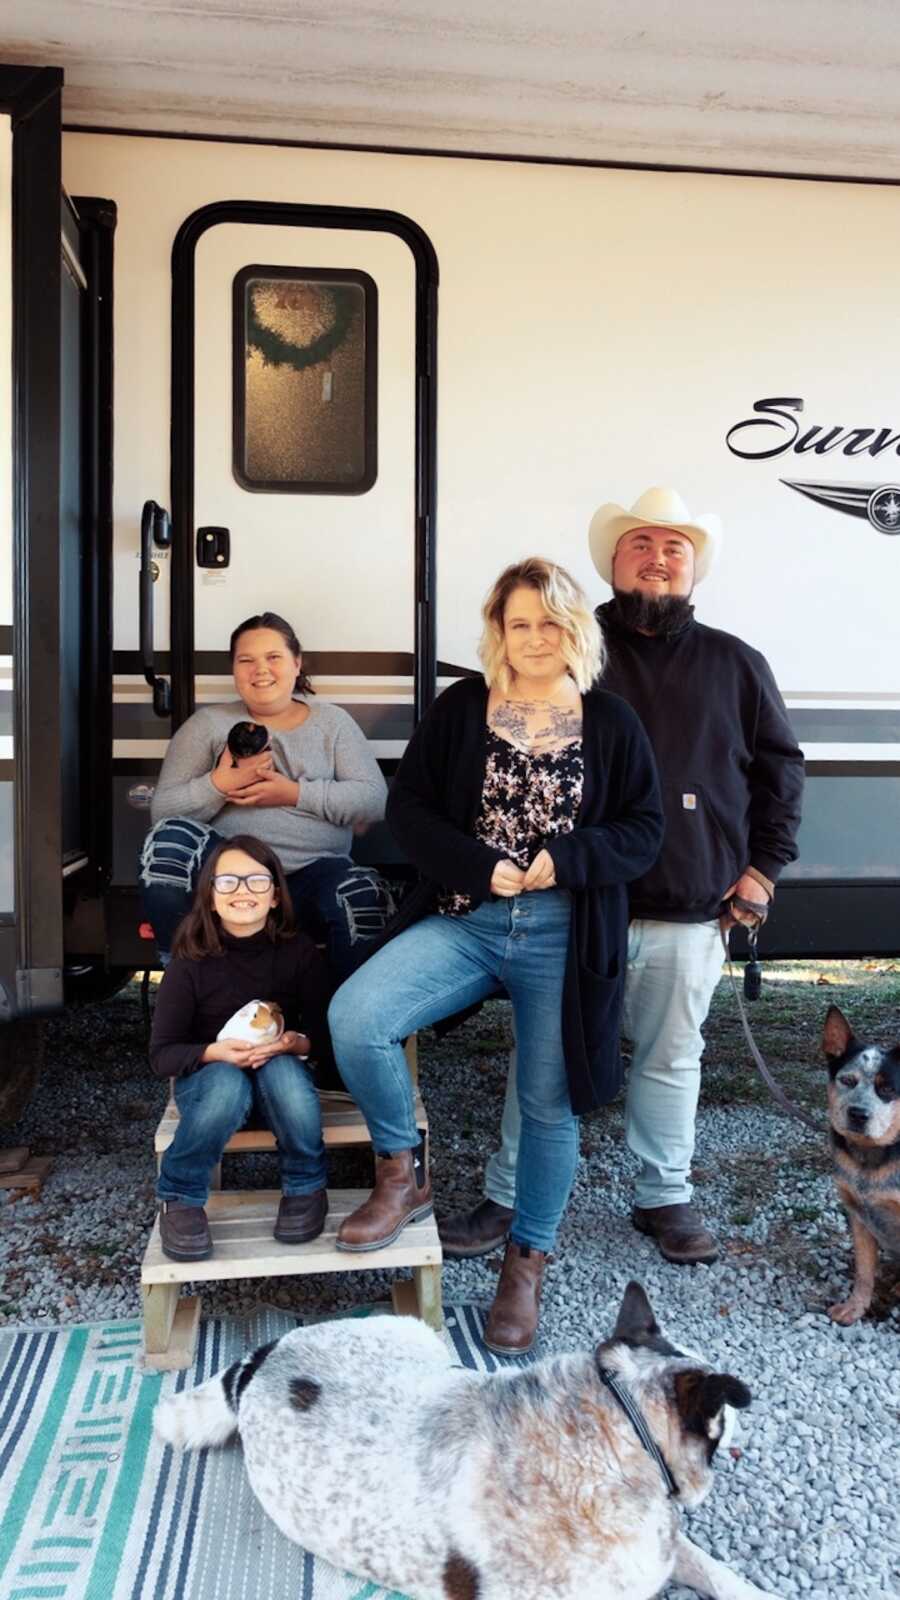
(237,386)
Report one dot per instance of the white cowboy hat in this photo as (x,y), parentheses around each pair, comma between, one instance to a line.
(656,508)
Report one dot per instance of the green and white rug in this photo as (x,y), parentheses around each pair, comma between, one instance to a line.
(93,1507)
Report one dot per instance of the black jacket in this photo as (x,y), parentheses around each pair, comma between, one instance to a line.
(730,770)
(432,808)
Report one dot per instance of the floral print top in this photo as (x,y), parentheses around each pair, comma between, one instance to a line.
(527,798)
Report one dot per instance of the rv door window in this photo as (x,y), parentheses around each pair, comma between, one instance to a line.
(305,352)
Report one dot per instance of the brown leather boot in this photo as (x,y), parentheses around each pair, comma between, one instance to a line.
(512,1323)
(301,1217)
(475,1232)
(402,1194)
(184,1231)
(679,1231)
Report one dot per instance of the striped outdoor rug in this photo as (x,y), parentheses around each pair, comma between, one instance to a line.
(92,1507)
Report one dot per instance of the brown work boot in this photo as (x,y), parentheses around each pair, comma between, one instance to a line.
(301,1217)
(476,1232)
(402,1194)
(184,1231)
(513,1319)
(679,1232)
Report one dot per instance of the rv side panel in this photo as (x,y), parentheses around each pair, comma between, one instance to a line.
(600,331)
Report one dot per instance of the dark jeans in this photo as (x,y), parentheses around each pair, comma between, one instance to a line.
(217,1099)
(334,900)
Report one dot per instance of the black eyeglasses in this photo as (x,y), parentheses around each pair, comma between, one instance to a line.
(257,882)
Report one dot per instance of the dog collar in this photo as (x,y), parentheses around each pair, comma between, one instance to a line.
(635,1417)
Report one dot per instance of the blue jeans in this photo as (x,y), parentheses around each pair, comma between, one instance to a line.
(440,966)
(334,900)
(217,1099)
(673,969)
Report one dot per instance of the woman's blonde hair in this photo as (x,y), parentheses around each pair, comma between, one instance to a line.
(565,602)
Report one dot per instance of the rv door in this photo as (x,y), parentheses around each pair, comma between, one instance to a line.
(302,469)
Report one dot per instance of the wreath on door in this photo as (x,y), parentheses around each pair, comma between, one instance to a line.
(338,305)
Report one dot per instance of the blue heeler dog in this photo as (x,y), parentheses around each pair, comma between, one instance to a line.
(368,1446)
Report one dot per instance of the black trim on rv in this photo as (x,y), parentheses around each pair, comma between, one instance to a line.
(32,98)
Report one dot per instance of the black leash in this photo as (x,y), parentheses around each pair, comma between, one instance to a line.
(760,911)
(636,1418)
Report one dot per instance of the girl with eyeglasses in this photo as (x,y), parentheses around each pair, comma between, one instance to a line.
(240,943)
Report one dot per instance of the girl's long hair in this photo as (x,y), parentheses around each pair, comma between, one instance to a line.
(199,934)
(271,619)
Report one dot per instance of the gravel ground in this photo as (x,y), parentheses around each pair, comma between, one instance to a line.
(806,1503)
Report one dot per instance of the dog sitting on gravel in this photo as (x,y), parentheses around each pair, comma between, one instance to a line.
(561,1481)
(864,1113)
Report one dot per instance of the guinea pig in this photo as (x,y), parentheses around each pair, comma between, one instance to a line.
(247,741)
(258,1022)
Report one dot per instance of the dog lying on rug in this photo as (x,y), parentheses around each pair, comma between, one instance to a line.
(561,1481)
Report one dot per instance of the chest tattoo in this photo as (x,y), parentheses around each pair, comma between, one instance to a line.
(508,720)
(536,726)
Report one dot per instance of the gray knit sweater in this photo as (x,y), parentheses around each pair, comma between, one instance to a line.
(341,785)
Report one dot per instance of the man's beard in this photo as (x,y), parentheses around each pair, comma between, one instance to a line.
(663,614)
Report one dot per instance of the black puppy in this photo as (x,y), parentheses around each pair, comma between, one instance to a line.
(864,1112)
(246,742)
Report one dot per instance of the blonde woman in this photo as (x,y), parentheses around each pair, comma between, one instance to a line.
(527,800)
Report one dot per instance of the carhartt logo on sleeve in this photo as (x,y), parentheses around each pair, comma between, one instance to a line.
(689,801)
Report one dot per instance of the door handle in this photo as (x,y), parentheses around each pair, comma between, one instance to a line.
(156,532)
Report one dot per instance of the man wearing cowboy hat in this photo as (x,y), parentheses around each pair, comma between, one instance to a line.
(731,777)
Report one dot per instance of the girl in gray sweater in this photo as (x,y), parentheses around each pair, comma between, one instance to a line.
(304,795)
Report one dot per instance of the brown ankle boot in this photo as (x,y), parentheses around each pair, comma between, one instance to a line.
(512,1323)
(476,1232)
(301,1217)
(184,1231)
(402,1194)
(680,1232)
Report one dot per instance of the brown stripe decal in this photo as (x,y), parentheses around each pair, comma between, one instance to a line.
(148,766)
(377,721)
(343,663)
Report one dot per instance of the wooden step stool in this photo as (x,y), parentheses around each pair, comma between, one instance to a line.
(241,1225)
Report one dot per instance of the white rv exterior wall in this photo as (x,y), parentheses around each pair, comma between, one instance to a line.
(599,331)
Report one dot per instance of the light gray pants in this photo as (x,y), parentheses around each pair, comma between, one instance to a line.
(673,969)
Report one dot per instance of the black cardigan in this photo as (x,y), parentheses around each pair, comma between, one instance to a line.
(432,808)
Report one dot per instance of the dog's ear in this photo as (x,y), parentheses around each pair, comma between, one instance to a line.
(635,1322)
(701,1396)
(837,1033)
